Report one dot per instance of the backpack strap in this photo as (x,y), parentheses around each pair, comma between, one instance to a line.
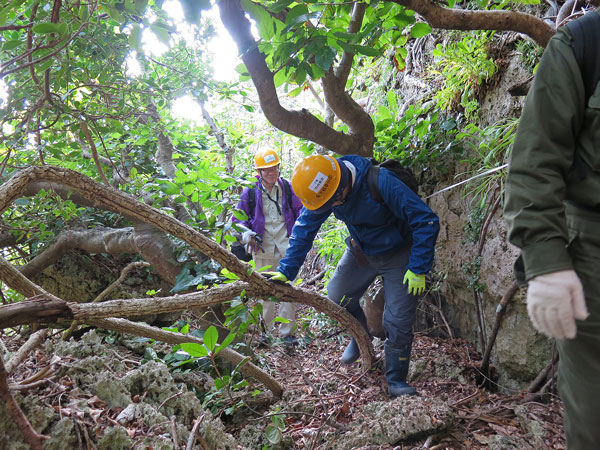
(287,189)
(373,181)
(585,32)
(251,202)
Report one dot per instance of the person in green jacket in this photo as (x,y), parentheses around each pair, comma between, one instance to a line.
(553,213)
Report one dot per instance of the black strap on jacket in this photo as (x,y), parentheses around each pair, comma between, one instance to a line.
(585,31)
(287,190)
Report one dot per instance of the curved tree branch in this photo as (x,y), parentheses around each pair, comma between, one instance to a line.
(461,19)
(340,102)
(96,240)
(298,123)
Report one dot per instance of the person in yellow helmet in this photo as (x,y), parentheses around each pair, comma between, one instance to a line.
(394,239)
(272,208)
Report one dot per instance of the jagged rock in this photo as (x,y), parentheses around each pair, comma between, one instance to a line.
(389,422)
(91,363)
(115,438)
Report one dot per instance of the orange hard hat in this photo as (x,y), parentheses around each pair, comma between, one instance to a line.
(264,159)
(318,180)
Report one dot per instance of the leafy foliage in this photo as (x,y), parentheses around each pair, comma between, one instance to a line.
(490,149)
(464,66)
(417,137)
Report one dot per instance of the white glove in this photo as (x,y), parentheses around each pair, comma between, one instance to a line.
(247,235)
(554,301)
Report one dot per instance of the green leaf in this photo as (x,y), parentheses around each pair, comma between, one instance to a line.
(295,92)
(45,28)
(298,14)
(114,14)
(4,15)
(391,99)
(62,28)
(169,188)
(363,49)
(211,335)
(45,64)
(240,215)
(324,58)
(264,21)
(188,189)
(383,124)
(140,6)
(273,434)
(135,37)
(228,340)
(194,349)
(280,5)
(281,77)
(383,112)
(9,45)
(161,34)
(84,11)
(403,19)
(317,72)
(350,38)
(420,29)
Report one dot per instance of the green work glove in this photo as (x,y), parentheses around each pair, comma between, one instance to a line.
(275,277)
(416,282)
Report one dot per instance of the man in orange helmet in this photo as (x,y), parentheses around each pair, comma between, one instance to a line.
(271,209)
(394,239)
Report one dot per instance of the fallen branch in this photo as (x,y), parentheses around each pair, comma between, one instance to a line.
(34,340)
(500,310)
(32,437)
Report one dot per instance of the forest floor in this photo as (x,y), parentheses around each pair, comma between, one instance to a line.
(483,419)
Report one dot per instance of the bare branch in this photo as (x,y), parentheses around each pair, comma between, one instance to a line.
(461,19)
(298,123)
(31,436)
(97,240)
(88,136)
(34,340)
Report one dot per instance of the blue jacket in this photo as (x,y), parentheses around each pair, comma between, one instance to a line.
(403,219)
(256,221)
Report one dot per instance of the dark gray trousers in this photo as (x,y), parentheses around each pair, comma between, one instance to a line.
(579,363)
(353,275)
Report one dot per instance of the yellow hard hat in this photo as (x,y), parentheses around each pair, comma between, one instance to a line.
(264,159)
(318,180)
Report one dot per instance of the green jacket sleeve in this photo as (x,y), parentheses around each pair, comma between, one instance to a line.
(542,156)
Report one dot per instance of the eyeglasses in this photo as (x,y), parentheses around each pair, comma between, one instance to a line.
(270,169)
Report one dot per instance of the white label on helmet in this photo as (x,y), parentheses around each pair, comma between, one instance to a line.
(270,157)
(317,183)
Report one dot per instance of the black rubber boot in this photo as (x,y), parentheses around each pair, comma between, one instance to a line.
(352,353)
(396,370)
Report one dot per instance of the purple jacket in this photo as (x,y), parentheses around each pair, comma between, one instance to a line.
(256,222)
